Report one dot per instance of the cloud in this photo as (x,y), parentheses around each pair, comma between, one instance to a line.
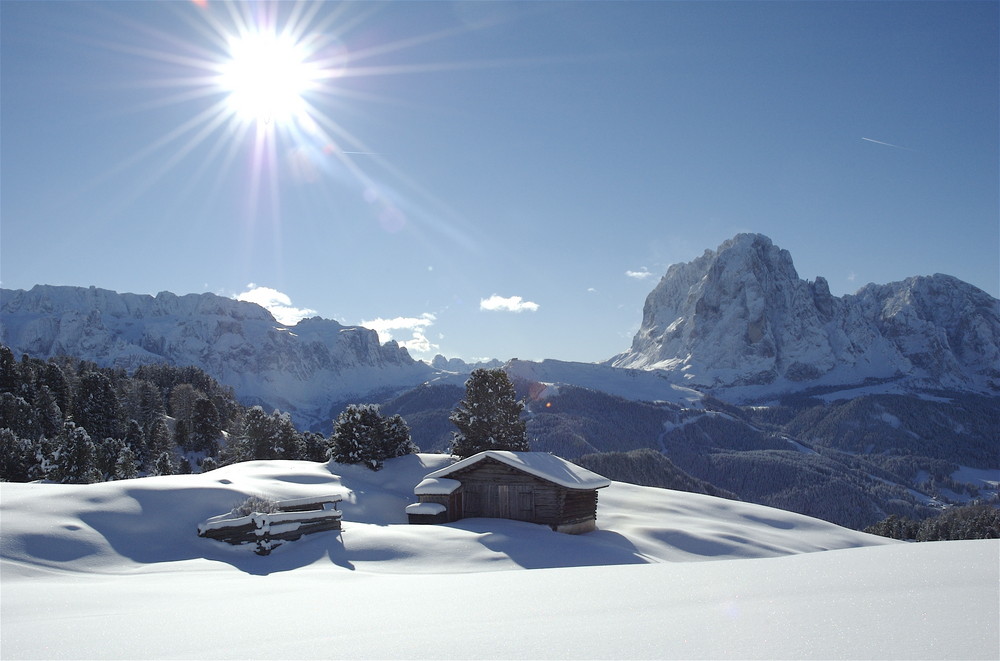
(275,302)
(641,274)
(416,326)
(510,304)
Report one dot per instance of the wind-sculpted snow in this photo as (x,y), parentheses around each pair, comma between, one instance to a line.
(116,570)
(741,317)
(114,526)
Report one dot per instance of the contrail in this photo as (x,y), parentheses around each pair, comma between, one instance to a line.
(887,144)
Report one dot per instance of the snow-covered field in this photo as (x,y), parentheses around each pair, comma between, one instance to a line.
(116,570)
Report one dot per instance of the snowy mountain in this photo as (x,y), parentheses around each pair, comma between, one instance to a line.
(666,575)
(301,369)
(740,316)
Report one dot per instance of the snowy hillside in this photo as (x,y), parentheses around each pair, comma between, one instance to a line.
(740,316)
(82,564)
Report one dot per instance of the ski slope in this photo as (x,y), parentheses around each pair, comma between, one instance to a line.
(115,570)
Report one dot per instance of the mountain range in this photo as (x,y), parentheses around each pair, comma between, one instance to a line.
(743,378)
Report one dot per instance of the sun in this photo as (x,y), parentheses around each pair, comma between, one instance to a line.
(266,77)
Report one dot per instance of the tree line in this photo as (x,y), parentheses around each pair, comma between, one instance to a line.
(71,421)
(974,521)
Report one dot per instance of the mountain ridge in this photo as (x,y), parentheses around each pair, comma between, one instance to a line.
(740,317)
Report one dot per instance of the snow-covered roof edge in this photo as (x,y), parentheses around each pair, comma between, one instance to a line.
(540,464)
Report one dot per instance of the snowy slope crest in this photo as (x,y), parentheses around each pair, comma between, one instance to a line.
(740,316)
(121,556)
(300,369)
(115,527)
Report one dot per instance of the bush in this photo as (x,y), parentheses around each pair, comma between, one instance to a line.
(255,503)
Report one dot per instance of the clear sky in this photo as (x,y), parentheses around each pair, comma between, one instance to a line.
(492,179)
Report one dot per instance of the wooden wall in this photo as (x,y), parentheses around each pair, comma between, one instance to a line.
(491,488)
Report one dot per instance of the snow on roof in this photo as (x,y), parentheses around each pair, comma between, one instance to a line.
(425,508)
(540,464)
(438,486)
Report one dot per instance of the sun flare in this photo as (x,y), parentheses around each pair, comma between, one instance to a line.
(266,77)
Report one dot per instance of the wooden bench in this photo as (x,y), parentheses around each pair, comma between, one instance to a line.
(294,518)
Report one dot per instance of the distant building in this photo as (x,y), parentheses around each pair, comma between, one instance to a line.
(525,486)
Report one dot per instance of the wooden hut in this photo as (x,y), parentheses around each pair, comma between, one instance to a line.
(526,486)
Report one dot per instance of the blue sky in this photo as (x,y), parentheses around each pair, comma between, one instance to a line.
(494,179)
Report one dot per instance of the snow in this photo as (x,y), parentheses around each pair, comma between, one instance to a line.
(666,575)
(425,508)
(631,384)
(436,486)
(540,464)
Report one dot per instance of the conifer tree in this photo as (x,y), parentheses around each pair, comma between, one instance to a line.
(96,407)
(164,464)
(489,418)
(361,435)
(125,465)
(15,457)
(205,430)
(75,456)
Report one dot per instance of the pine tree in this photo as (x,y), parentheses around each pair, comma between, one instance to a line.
(259,432)
(362,435)
(96,407)
(396,441)
(205,430)
(10,372)
(107,455)
(15,457)
(287,441)
(75,457)
(315,446)
(356,428)
(208,464)
(489,418)
(158,441)
(164,464)
(125,465)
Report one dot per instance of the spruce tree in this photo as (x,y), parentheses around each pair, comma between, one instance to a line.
(76,456)
(96,407)
(125,465)
(164,464)
(354,431)
(489,418)
(205,430)
(362,435)
(396,441)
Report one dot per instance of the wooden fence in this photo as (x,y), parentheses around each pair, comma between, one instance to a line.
(268,530)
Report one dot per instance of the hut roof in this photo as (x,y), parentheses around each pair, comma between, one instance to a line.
(440,486)
(540,464)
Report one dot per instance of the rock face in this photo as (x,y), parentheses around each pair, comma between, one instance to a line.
(301,369)
(741,316)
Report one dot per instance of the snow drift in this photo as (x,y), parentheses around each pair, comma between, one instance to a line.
(83,564)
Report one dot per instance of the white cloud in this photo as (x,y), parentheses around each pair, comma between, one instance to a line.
(510,304)
(641,274)
(416,326)
(275,302)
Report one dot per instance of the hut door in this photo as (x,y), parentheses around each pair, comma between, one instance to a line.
(500,501)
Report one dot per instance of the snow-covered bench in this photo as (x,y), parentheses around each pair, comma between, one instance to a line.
(294,518)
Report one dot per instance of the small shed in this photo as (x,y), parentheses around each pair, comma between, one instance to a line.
(537,487)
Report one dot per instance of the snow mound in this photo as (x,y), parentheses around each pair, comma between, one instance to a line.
(122,526)
(81,561)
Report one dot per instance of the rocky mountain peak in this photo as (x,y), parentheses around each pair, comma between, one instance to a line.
(741,316)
